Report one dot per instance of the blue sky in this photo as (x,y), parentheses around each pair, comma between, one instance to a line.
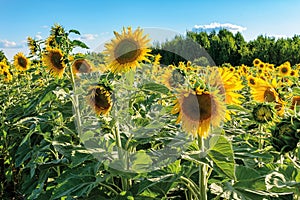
(97,19)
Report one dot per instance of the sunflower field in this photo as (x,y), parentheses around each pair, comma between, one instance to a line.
(119,124)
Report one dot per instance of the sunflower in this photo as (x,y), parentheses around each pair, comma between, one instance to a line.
(231,84)
(3,66)
(127,50)
(33,46)
(262,113)
(264,91)
(54,61)
(21,62)
(251,80)
(284,70)
(7,75)
(172,78)
(198,110)
(294,73)
(81,66)
(99,99)
(256,62)
(51,42)
(295,102)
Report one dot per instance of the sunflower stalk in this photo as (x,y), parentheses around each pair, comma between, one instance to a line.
(124,181)
(260,143)
(202,172)
(75,103)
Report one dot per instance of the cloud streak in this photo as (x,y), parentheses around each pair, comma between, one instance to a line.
(10,44)
(89,36)
(217,26)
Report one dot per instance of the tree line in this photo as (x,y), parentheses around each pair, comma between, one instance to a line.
(225,47)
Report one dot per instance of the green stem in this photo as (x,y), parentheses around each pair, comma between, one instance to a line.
(192,187)
(75,102)
(293,161)
(260,144)
(122,156)
(202,173)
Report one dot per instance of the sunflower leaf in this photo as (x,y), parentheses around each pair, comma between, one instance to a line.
(222,155)
(155,88)
(79,44)
(74,31)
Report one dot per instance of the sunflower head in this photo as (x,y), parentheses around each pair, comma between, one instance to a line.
(173,78)
(3,66)
(284,70)
(262,113)
(21,62)
(198,111)
(53,59)
(295,102)
(256,62)
(57,30)
(81,66)
(127,50)
(251,81)
(33,46)
(7,75)
(286,135)
(99,99)
(51,42)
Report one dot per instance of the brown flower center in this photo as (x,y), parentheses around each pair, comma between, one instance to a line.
(127,51)
(252,81)
(22,62)
(56,60)
(197,107)
(284,70)
(101,101)
(82,66)
(269,95)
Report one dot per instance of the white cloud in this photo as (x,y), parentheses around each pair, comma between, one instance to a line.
(217,26)
(45,26)
(10,44)
(38,36)
(89,36)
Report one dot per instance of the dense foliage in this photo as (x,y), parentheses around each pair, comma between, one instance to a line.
(226,47)
(81,126)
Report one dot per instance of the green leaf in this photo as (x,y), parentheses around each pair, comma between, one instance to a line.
(155,88)
(74,31)
(222,154)
(243,173)
(79,44)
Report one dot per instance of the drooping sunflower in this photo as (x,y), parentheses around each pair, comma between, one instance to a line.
(284,70)
(99,99)
(126,50)
(295,102)
(264,91)
(172,78)
(21,62)
(81,66)
(262,113)
(198,111)
(33,46)
(53,59)
(51,42)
